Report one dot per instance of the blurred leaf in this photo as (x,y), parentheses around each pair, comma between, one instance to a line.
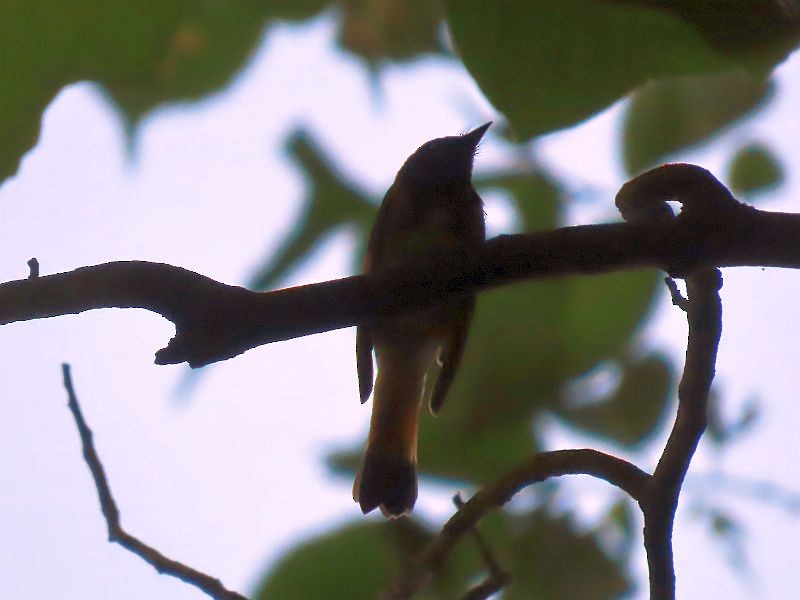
(754,169)
(730,534)
(759,33)
(668,115)
(602,313)
(331,202)
(536,195)
(636,409)
(390,29)
(722,430)
(553,560)
(144,53)
(529,339)
(358,561)
(619,532)
(353,562)
(552,63)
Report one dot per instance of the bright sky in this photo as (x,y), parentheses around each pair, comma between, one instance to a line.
(229,478)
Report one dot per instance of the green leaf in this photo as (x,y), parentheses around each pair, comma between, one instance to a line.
(536,195)
(636,409)
(552,63)
(754,169)
(396,30)
(601,313)
(553,560)
(666,116)
(144,53)
(527,340)
(353,562)
(358,561)
(619,531)
(331,203)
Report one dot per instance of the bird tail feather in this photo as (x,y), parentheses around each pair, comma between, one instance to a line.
(387,478)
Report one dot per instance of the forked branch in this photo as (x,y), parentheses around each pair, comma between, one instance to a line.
(210,585)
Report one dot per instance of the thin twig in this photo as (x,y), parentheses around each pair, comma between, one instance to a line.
(677,298)
(33,266)
(210,585)
(497,578)
(540,467)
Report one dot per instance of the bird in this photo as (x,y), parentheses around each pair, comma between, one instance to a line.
(431,206)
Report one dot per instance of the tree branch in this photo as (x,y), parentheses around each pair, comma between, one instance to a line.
(660,501)
(210,585)
(643,199)
(497,579)
(542,466)
(215,321)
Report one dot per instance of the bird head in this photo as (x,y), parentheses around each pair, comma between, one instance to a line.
(443,162)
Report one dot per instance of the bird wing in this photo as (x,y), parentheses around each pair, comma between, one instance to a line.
(372,259)
(364,361)
(451,352)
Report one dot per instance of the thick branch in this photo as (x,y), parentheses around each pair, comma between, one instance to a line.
(215,321)
(210,585)
(545,465)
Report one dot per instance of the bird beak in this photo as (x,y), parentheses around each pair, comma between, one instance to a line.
(474,136)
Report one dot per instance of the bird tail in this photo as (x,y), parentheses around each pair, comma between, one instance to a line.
(387,478)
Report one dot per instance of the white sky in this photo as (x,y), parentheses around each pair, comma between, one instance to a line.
(209,190)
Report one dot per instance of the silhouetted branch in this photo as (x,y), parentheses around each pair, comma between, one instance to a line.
(704,313)
(215,321)
(702,197)
(542,466)
(211,586)
(497,578)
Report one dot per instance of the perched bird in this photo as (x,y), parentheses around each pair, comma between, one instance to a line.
(430,206)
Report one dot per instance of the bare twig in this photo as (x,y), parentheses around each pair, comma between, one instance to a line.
(33,265)
(210,585)
(497,578)
(215,321)
(542,466)
(677,298)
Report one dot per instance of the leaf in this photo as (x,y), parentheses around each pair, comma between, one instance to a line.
(353,562)
(553,63)
(331,202)
(636,409)
(754,169)
(536,195)
(601,313)
(358,561)
(144,53)
(550,64)
(729,533)
(553,560)
(669,115)
(619,531)
(722,429)
(395,30)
